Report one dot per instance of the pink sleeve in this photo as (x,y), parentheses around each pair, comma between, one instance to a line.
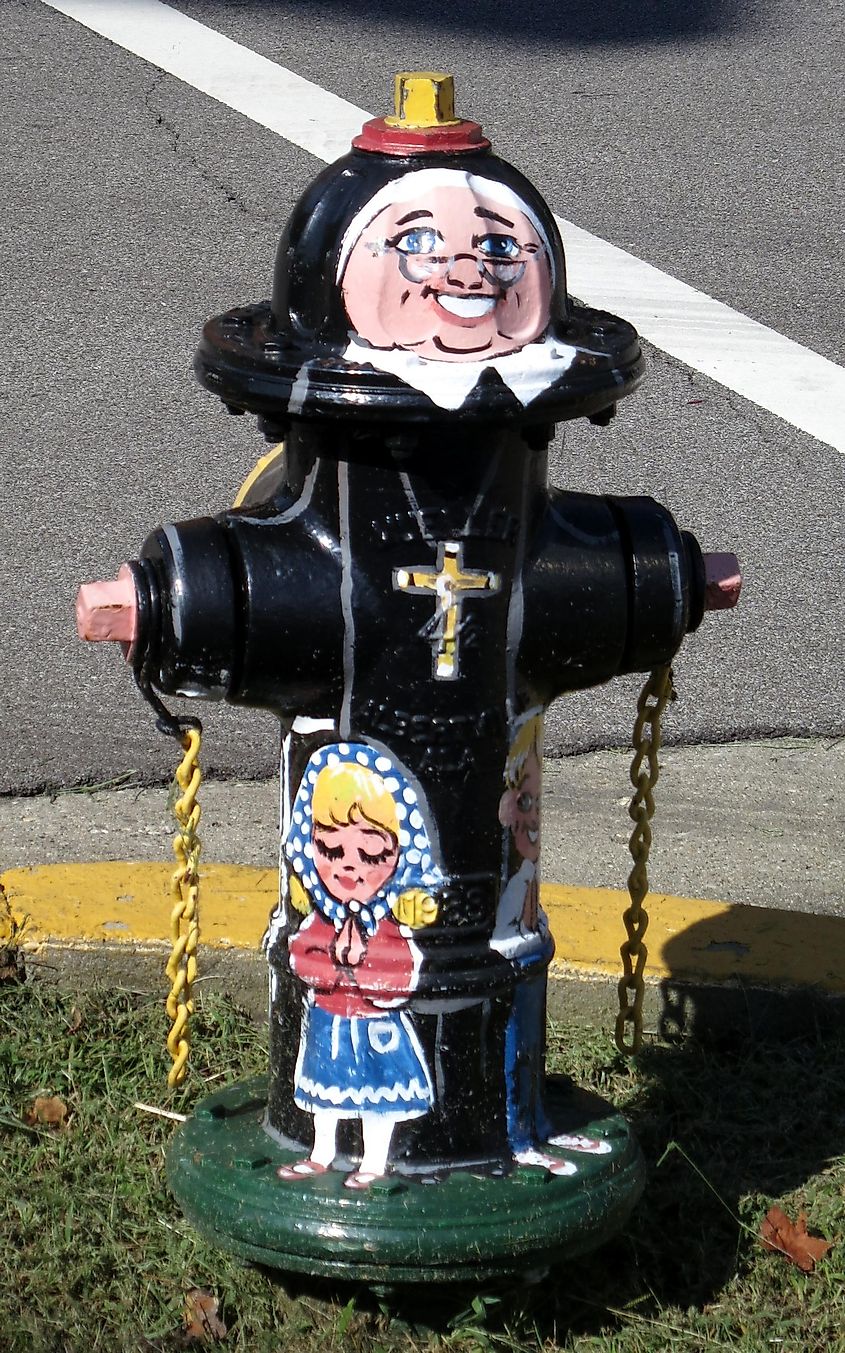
(388,969)
(310,955)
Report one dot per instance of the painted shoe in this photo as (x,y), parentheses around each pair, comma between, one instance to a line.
(302,1169)
(593,1145)
(541,1160)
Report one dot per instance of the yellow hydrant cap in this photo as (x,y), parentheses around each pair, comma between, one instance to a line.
(424,98)
(424,122)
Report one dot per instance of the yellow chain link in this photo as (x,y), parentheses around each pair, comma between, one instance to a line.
(654,697)
(184,918)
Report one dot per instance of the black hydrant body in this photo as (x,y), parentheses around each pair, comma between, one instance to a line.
(408,595)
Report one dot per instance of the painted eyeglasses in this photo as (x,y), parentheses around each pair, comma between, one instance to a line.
(500,259)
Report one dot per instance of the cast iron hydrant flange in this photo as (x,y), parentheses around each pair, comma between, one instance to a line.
(404,590)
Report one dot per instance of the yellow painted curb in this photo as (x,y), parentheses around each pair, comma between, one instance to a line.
(689,939)
(130,902)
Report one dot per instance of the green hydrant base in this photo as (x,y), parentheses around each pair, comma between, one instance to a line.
(449,1225)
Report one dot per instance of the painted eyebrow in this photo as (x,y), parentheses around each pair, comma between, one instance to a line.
(493,216)
(368,831)
(415,216)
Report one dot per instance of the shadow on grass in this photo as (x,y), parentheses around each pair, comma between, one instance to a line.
(724,1129)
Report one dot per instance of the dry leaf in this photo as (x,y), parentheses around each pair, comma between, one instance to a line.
(11,965)
(74,1024)
(49,1110)
(791,1240)
(202,1323)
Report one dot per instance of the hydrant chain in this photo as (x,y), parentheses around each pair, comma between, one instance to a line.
(184,917)
(657,692)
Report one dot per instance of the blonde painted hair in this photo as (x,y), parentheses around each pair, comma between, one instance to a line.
(348,793)
(529,738)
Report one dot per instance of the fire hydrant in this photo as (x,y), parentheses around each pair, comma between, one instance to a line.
(408,595)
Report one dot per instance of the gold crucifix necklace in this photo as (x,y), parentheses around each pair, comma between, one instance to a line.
(448,581)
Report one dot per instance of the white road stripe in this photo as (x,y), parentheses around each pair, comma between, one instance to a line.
(299,111)
(800,386)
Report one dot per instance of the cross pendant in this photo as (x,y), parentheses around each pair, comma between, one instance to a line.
(450,583)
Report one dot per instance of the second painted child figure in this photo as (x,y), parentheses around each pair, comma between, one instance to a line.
(522,935)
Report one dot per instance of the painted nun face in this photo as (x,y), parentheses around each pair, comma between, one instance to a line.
(459,275)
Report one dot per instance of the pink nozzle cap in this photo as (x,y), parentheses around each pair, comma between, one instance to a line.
(722,582)
(108,610)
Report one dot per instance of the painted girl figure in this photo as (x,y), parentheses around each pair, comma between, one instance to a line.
(363,870)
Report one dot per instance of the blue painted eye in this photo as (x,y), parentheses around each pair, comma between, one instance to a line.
(498,247)
(424,240)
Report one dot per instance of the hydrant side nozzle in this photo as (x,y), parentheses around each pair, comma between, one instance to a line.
(108,610)
(722,581)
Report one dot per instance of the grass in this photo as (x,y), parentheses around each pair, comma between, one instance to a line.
(95,1256)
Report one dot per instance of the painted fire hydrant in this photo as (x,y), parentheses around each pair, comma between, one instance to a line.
(404,590)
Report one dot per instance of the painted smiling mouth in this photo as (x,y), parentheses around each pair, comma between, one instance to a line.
(467,307)
(533,835)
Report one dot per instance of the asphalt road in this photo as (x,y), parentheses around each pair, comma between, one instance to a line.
(704,139)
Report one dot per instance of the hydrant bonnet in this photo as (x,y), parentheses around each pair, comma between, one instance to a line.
(411,286)
(308,303)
